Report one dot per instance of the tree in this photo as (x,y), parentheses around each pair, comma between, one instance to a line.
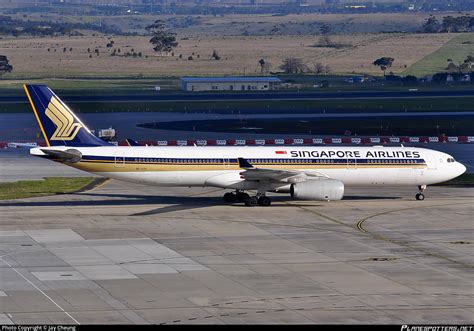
(264,66)
(466,67)
(449,24)
(432,25)
(452,68)
(440,77)
(163,40)
(5,65)
(319,68)
(293,65)
(215,55)
(327,69)
(324,40)
(410,80)
(384,63)
(324,29)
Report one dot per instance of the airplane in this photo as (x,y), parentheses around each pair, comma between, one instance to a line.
(307,173)
(20,145)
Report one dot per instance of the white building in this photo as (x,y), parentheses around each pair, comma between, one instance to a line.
(230,83)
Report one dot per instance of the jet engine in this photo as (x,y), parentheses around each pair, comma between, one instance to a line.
(318,189)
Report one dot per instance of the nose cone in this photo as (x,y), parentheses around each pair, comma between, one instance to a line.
(460,169)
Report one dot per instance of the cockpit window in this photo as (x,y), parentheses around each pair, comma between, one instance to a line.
(450,160)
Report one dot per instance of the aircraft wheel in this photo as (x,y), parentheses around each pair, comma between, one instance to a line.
(242,197)
(264,201)
(230,197)
(420,196)
(251,201)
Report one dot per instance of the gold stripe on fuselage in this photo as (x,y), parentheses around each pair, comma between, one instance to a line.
(111,166)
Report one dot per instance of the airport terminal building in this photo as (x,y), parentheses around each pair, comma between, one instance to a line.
(230,83)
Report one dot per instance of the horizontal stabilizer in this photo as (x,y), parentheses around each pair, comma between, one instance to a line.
(131,142)
(69,155)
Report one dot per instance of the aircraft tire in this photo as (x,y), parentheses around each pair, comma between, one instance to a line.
(230,197)
(242,197)
(264,201)
(251,201)
(420,196)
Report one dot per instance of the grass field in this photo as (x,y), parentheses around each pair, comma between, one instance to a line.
(92,85)
(303,106)
(456,49)
(48,186)
(241,41)
(68,57)
(266,107)
(251,24)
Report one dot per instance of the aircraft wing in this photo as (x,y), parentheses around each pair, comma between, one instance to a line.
(279,175)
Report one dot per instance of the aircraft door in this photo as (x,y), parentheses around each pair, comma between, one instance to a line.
(351,164)
(430,161)
(119,160)
(226,161)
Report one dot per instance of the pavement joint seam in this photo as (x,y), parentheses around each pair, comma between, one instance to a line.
(406,244)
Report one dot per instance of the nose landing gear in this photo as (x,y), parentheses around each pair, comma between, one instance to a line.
(420,196)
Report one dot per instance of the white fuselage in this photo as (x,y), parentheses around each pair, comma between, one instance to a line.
(218,166)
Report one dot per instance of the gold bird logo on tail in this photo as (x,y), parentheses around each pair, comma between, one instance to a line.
(63,119)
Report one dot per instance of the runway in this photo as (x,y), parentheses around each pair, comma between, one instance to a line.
(127,253)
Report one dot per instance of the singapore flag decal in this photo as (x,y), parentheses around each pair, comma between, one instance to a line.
(280,152)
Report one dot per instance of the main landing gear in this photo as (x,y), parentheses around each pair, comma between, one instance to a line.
(240,196)
(420,195)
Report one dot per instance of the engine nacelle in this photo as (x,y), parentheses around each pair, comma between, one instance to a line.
(318,189)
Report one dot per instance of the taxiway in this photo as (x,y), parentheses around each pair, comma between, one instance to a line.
(126,253)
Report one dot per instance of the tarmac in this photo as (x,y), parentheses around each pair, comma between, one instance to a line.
(126,253)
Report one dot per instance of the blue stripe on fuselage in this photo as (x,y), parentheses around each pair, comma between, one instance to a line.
(253,161)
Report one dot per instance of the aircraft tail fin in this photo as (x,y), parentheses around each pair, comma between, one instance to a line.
(59,125)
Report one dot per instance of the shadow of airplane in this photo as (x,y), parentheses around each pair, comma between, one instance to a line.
(172,203)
